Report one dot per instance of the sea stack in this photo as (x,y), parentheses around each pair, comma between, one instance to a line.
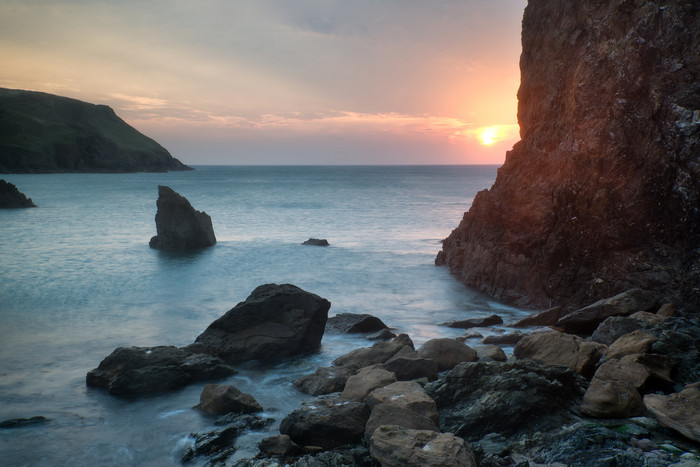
(178,225)
(601,194)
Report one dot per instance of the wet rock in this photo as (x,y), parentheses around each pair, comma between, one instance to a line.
(447,352)
(21,422)
(392,445)
(383,334)
(636,342)
(327,423)
(504,339)
(365,381)
(490,352)
(147,370)
(274,322)
(219,399)
(587,319)
(678,411)
(407,364)
(475,322)
(325,380)
(478,398)
(555,348)
(316,242)
(543,318)
(380,352)
(12,198)
(613,328)
(178,225)
(355,323)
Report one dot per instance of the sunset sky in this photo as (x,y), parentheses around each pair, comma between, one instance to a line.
(280,81)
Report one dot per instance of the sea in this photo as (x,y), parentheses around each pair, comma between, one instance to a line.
(78,279)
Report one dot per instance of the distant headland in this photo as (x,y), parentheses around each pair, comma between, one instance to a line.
(45,133)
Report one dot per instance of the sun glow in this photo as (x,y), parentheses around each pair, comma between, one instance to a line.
(489,135)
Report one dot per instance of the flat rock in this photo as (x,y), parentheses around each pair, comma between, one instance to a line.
(325,380)
(555,348)
(542,318)
(355,323)
(587,319)
(447,352)
(365,381)
(220,399)
(678,411)
(636,342)
(178,225)
(327,423)
(392,445)
(510,338)
(274,322)
(475,322)
(380,352)
(12,198)
(316,242)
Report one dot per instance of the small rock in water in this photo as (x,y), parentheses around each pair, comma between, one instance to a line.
(19,422)
(316,242)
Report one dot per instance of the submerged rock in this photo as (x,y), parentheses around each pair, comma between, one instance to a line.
(274,322)
(12,198)
(178,225)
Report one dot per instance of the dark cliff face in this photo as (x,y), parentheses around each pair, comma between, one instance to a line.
(42,133)
(602,193)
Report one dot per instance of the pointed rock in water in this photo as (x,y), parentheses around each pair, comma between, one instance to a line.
(274,322)
(178,225)
(12,198)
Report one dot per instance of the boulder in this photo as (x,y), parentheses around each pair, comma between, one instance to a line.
(478,398)
(648,319)
(587,319)
(447,352)
(490,352)
(390,414)
(555,348)
(511,338)
(316,242)
(147,370)
(178,225)
(407,396)
(543,318)
(327,423)
(678,411)
(475,322)
(12,198)
(220,399)
(280,445)
(614,327)
(365,381)
(354,323)
(611,398)
(380,352)
(407,364)
(636,342)
(325,380)
(275,321)
(392,445)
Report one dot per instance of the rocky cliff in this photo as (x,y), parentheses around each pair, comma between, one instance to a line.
(602,193)
(42,133)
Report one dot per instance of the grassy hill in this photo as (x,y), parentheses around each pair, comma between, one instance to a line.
(44,133)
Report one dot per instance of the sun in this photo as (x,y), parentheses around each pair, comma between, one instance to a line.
(488,135)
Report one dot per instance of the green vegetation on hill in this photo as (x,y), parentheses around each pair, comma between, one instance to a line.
(43,133)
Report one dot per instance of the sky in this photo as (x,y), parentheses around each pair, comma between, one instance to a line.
(283,81)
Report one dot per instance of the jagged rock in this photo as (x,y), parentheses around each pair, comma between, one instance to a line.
(389,414)
(477,398)
(636,342)
(220,399)
(504,339)
(678,411)
(275,321)
(613,328)
(380,352)
(587,319)
(475,322)
(490,352)
(316,242)
(178,225)
(555,348)
(393,445)
(146,370)
(407,364)
(365,381)
(325,380)
(543,318)
(327,423)
(447,352)
(355,323)
(12,198)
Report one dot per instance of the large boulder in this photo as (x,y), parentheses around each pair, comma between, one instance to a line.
(148,370)
(12,198)
(220,399)
(392,445)
(275,321)
(447,352)
(679,411)
(178,225)
(327,423)
(380,352)
(478,398)
(555,348)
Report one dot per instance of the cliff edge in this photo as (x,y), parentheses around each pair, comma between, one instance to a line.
(44,133)
(602,193)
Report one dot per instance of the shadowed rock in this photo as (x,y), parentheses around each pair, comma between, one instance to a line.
(316,242)
(355,323)
(12,198)
(178,225)
(475,322)
(447,352)
(220,399)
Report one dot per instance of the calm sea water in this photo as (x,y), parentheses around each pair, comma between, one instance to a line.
(77,279)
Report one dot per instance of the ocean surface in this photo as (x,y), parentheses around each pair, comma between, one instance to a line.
(77,280)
